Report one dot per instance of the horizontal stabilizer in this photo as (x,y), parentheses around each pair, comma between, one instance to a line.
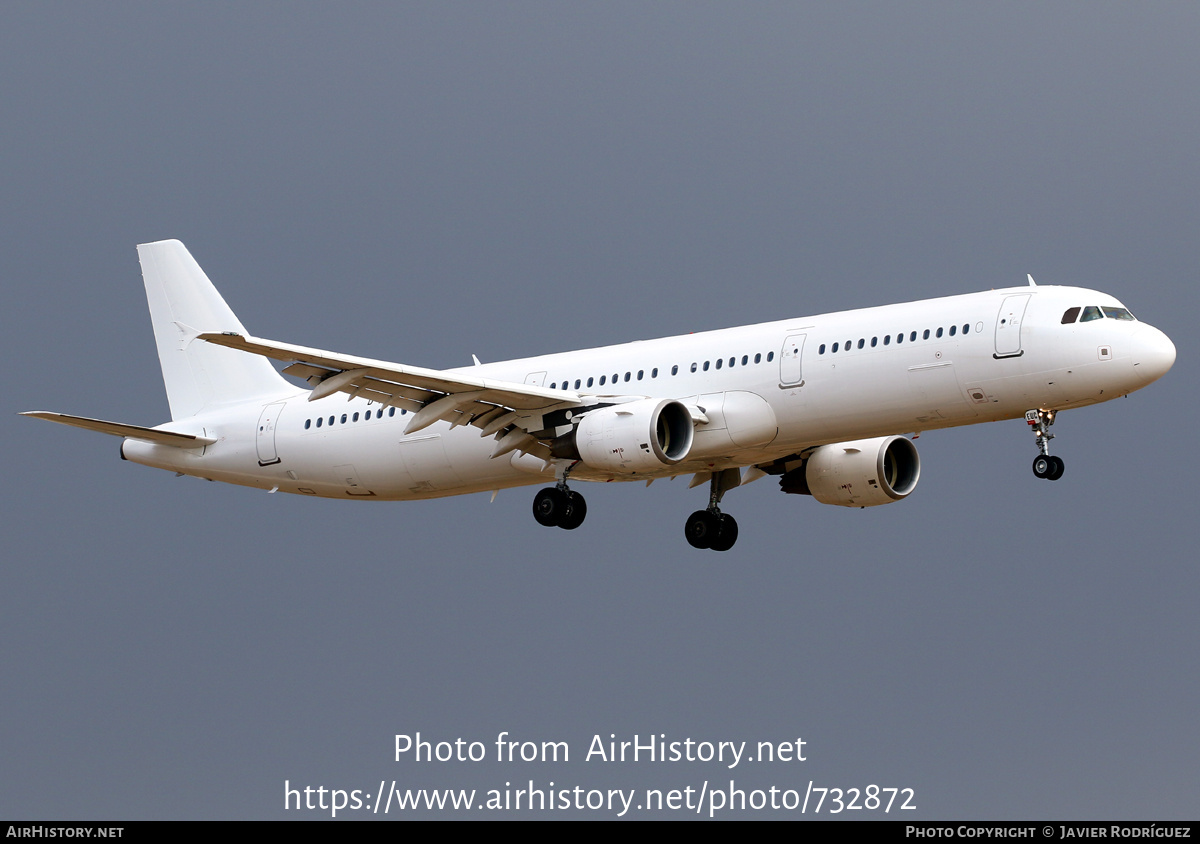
(119,429)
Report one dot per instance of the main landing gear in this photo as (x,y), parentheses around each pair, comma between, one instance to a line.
(1044,465)
(711,528)
(558,506)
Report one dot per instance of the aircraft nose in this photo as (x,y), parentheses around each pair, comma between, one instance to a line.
(1152,354)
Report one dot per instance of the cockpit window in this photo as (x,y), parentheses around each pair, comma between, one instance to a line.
(1070,316)
(1090,313)
(1118,313)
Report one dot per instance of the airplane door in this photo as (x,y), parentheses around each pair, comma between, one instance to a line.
(267,423)
(536,379)
(790,356)
(1008,325)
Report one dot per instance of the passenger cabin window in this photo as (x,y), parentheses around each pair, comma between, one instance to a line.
(1071,315)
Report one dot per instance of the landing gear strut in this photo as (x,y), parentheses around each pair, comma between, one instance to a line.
(1044,465)
(711,528)
(558,506)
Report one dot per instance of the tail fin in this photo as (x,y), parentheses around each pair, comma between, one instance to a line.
(184,304)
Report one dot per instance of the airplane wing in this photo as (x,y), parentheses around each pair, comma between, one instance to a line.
(120,429)
(507,409)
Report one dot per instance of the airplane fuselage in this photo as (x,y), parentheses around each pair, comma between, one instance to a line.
(766,392)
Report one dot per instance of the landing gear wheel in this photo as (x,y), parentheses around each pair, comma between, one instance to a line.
(727,533)
(1056,468)
(1042,465)
(575,512)
(701,529)
(550,506)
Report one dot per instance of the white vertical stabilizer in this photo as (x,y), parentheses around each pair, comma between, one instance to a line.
(183,304)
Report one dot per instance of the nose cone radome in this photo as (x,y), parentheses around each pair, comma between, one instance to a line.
(1152,354)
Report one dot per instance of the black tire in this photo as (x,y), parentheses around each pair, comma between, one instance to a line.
(1042,466)
(549,506)
(1057,468)
(701,528)
(727,533)
(575,512)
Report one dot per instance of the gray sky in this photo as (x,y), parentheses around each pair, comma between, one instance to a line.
(420,182)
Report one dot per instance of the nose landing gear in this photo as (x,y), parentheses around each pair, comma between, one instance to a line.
(1044,465)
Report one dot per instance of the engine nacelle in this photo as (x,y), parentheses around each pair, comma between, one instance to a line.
(640,436)
(861,473)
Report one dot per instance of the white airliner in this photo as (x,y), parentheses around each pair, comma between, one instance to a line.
(822,401)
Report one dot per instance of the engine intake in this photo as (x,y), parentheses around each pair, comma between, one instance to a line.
(639,436)
(860,473)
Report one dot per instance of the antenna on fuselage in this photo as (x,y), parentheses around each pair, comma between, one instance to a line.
(1032,283)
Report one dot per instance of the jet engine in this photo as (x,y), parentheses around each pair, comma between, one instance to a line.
(639,436)
(860,473)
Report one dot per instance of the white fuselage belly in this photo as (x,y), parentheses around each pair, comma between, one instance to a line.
(1013,355)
